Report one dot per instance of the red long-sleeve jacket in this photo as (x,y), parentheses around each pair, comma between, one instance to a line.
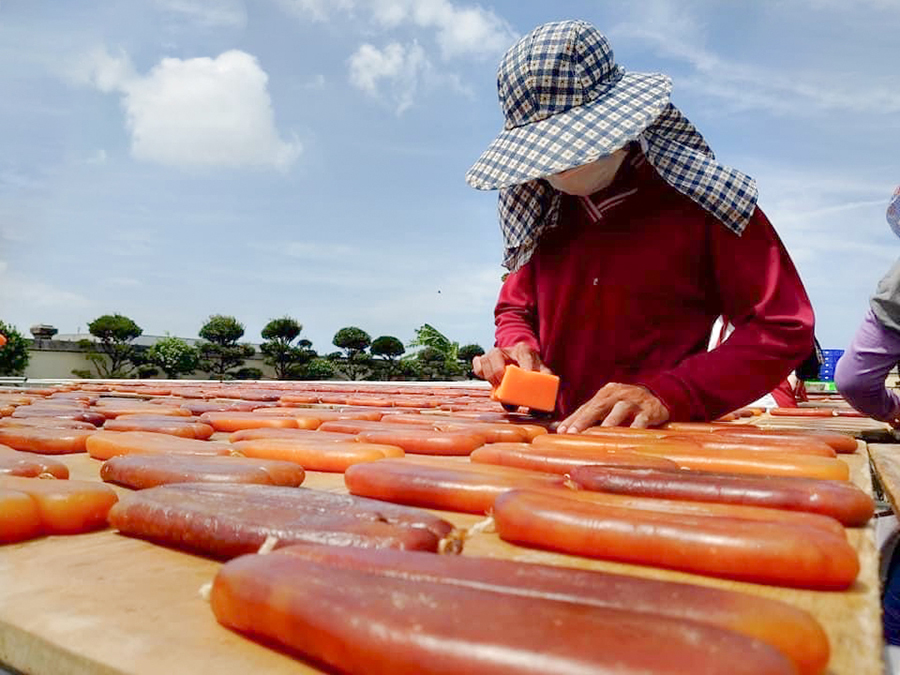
(627,287)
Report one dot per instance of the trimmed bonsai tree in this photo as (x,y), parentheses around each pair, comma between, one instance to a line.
(220,351)
(280,350)
(113,353)
(354,341)
(389,349)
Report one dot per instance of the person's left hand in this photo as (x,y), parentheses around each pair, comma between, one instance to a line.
(614,404)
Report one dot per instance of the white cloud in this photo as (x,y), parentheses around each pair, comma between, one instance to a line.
(297,249)
(474,31)
(211,13)
(315,82)
(814,216)
(361,293)
(316,10)
(674,32)
(396,71)
(856,6)
(124,282)
(196,112)
(308,250)
(816,211)
(12,234)
(751,89)
(15,179)
(393,72)
(130,242)
(25,291)
(462,297)
(460,30)
(98,157)
(105,71)
(832,223)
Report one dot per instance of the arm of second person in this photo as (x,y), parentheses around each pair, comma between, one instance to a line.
(862,370)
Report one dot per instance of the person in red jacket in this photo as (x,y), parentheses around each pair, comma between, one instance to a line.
(625,239)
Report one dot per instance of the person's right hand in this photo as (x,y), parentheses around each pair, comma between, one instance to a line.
(490,367)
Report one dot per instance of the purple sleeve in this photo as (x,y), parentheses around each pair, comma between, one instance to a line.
(862,370)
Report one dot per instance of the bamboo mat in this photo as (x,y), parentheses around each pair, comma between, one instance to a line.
(102,603)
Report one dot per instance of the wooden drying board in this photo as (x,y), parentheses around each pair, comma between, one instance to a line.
(863,428)
(886,464)
(102,603)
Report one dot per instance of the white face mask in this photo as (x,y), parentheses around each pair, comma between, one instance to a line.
(587,179)
(893,212)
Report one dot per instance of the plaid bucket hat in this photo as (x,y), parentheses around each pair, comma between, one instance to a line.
(567,103)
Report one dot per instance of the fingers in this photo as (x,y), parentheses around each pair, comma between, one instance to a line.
(528,358)
(483,367)
(620,412)
(492,366)
(616,405)
(476,367)
(525,357)
(587,415)
(641,420)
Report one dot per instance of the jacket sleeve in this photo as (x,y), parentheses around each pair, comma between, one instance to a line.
(862,370)
(515,315)
(761,293)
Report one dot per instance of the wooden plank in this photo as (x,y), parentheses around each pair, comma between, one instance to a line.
(866,429)
(886,464)
(103,603)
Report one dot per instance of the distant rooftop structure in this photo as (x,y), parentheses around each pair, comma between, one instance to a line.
(43,331)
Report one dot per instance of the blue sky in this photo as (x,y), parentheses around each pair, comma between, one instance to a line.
(170,159)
